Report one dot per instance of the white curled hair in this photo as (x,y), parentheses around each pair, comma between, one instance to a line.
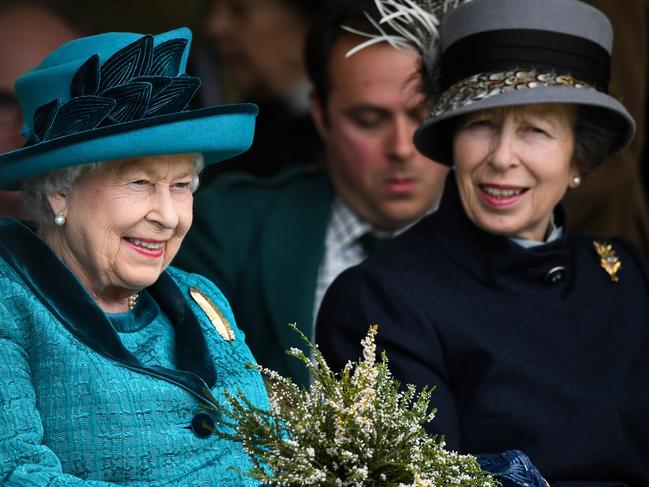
(34,191)
(416,23)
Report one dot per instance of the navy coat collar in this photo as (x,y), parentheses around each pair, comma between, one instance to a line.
(496,260)
(64,296)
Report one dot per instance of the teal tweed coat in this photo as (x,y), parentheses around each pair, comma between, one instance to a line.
(83,402)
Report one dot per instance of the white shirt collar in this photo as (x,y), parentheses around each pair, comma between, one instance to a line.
(553,234)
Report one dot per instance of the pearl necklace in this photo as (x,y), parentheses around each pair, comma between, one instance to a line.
(132,301)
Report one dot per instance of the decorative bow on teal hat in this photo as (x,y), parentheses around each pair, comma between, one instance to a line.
(119,95)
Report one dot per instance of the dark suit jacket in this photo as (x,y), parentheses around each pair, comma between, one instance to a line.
(262,241)
(530,349)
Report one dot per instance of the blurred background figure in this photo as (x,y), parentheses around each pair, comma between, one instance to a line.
(259,47)
(275,244)
(612,201)
(28,32)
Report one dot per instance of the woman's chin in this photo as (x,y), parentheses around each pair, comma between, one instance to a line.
(140,278)
(500,228)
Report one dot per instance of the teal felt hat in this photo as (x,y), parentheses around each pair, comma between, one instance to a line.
(119,95)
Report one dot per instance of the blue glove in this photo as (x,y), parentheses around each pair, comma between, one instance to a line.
(512,468)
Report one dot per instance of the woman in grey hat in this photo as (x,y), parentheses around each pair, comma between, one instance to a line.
(534,339)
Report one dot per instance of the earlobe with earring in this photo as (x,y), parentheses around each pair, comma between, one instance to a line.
(59,219)
(576,181)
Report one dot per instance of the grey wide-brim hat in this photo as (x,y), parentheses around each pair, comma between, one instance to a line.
(500,53)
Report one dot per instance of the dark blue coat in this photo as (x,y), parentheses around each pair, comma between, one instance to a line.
(554,363)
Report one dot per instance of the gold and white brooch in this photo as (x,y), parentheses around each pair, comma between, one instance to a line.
(215,315)
(608,260)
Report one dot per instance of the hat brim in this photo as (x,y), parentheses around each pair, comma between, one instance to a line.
(218,133)
(434,138)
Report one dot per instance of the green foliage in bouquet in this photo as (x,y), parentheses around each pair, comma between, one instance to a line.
(357,428)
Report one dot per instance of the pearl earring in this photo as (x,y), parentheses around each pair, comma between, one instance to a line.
(576,181)
(59,219)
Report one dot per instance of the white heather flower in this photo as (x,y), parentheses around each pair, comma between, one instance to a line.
(343,427)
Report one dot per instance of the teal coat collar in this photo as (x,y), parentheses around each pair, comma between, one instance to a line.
(64,296)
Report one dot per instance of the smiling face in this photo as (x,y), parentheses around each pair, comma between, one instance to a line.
(367,125)
(124,224)
(514,165)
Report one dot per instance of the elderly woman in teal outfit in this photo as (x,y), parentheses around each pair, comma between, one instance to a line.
(108,355)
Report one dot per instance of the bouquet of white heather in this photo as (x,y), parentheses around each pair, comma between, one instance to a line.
(357,428)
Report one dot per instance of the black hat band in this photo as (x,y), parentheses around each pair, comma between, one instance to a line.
(504,50)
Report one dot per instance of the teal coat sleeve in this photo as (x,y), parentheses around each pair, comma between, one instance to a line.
(21,429)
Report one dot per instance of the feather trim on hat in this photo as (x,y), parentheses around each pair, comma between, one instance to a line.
(416,25)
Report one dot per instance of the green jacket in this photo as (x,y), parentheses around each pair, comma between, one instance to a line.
(261,241)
